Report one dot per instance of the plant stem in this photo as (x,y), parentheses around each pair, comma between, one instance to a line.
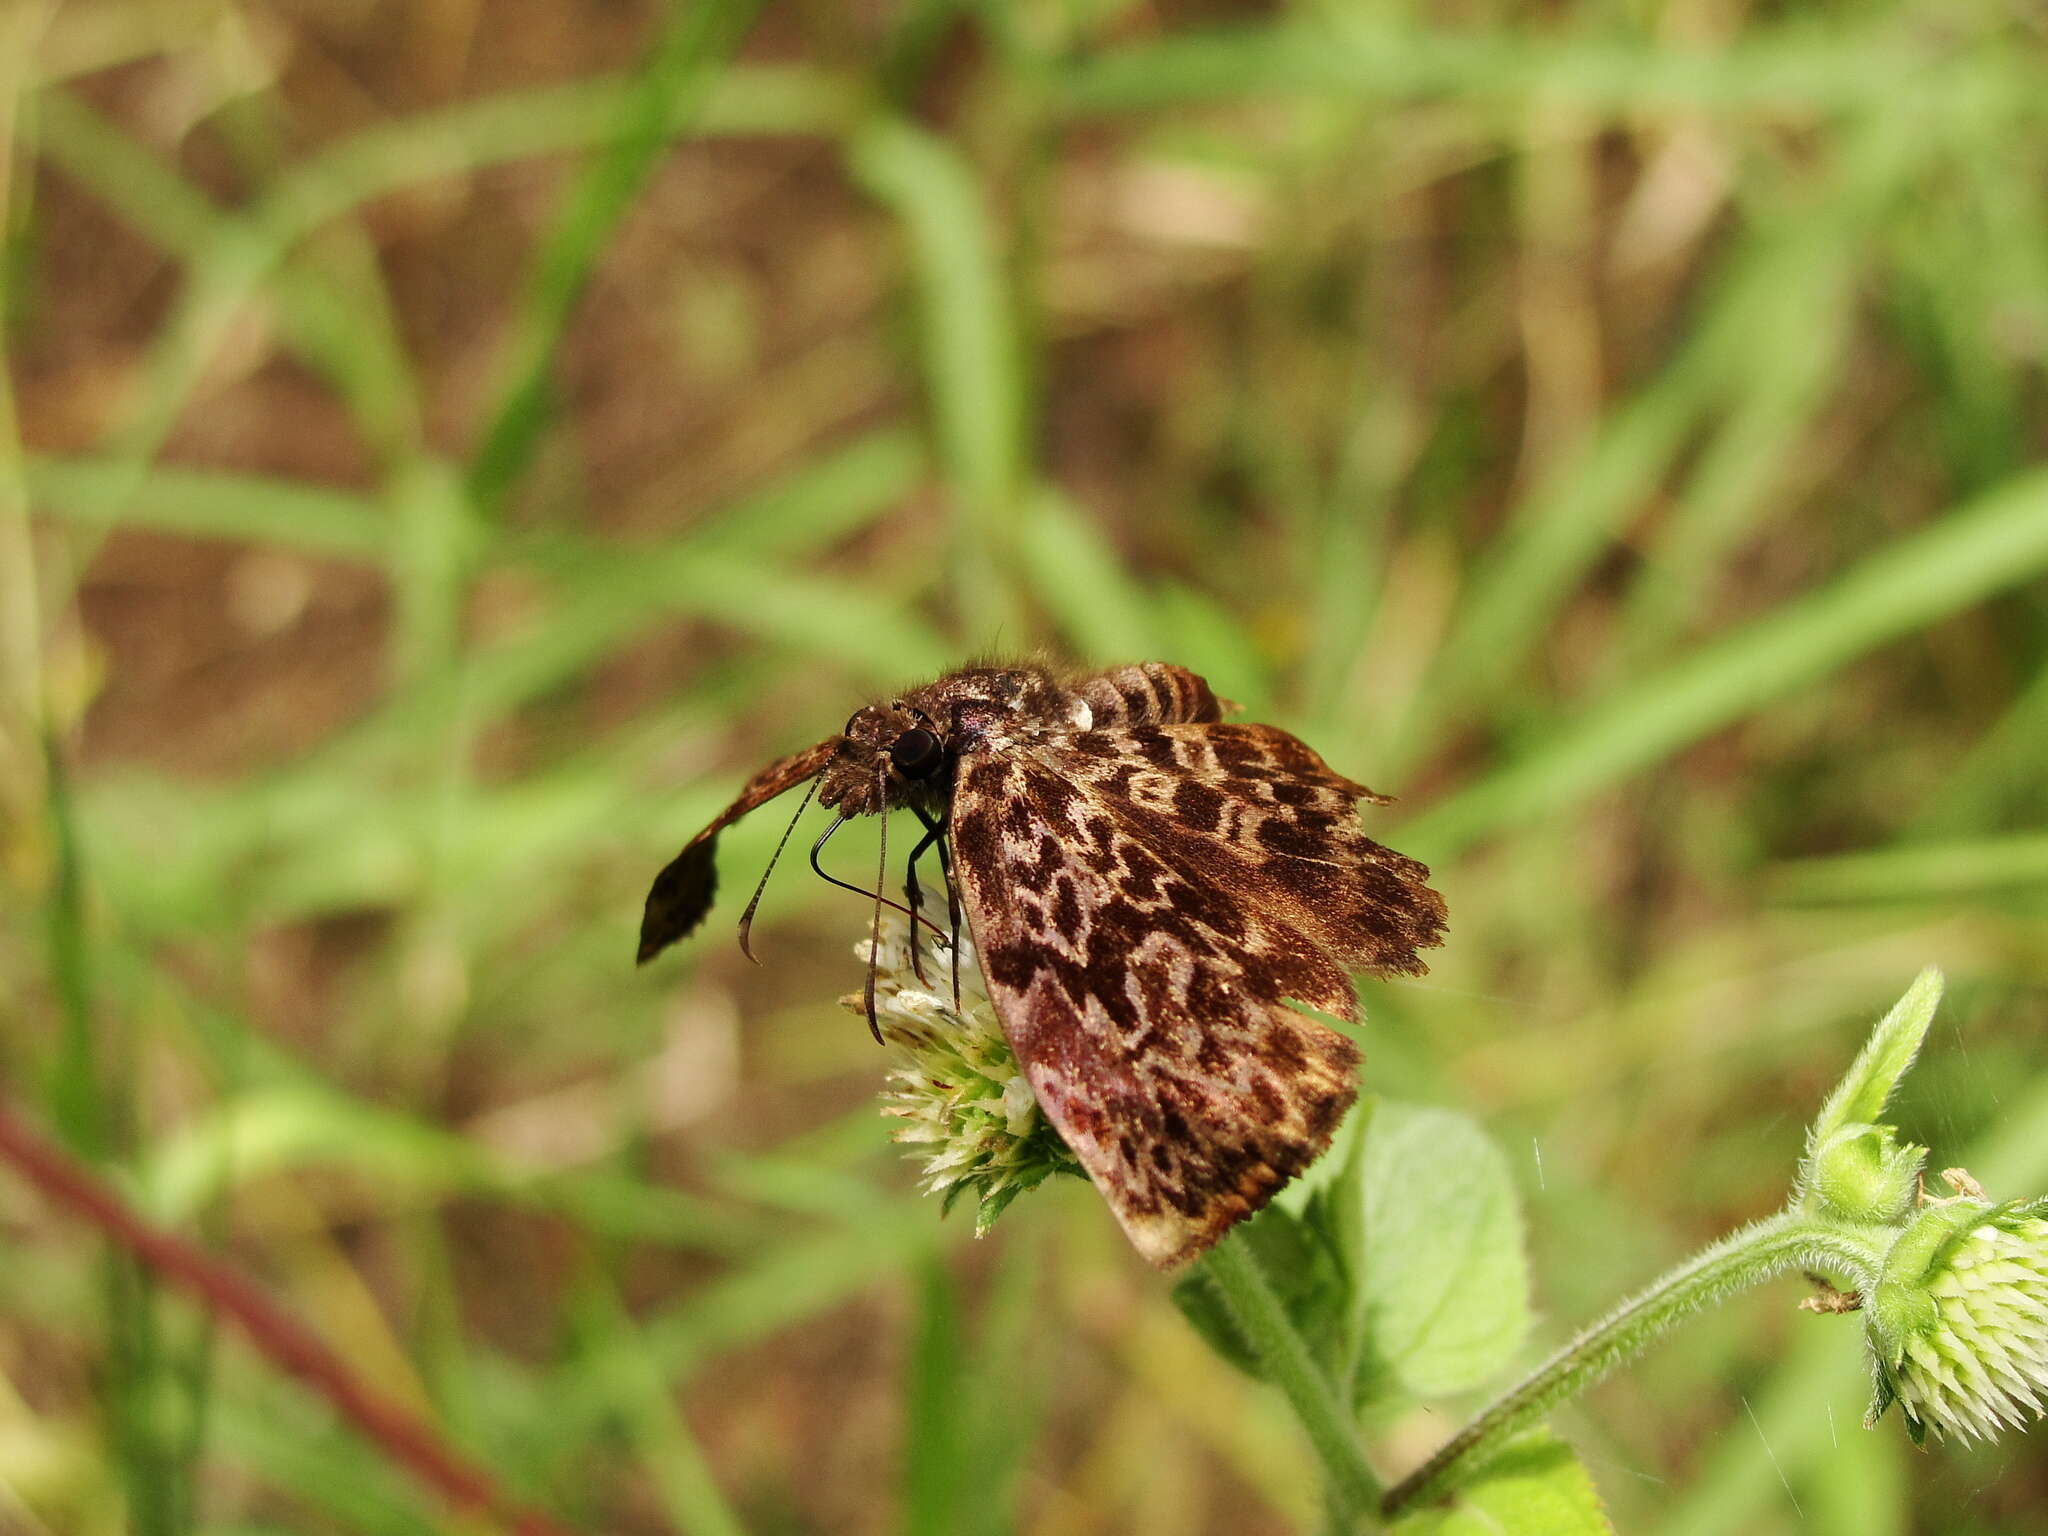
(403,1438)
(1791,1239)
(1249,1297)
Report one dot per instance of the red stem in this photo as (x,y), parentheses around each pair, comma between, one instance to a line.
(289,1344)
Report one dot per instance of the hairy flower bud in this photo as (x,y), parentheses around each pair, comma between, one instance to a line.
(1864,1173)
(967,1112)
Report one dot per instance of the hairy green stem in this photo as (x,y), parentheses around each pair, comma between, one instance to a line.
(1789,1240)
(1255,1308)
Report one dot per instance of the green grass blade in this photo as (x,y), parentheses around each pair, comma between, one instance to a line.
(1006,1405)
(1755,450)
(1789,69)
(870,631)
(211,504)
(661,1439)
(974,375)
(76,1088)
(795,1280)
(678,73)
(2000,777)
(1518,586)
(1080,580)
(1960,558)
(342,322)
(935,1399)
(1939,873)
(290,1447)
(464,137)
(298,1125)
(1204,635)
(148,194)
(823,500)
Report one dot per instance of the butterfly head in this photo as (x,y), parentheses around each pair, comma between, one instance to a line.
(889,755)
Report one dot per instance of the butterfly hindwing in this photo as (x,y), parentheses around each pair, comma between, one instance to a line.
(1142,995)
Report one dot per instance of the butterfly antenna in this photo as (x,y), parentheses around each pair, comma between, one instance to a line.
(753,902)
(875,934)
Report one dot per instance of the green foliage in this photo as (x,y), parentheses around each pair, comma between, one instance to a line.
(1307,1275)
(1534,1487)
(1442,1286)
(1405,1272)
(1950,1290)
(1404,1279)
(1873,1077)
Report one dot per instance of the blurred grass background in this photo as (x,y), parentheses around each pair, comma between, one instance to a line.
(445,446)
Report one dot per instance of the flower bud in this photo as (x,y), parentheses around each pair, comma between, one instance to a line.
(1958,1321)
(1862,1173)
(967,1111)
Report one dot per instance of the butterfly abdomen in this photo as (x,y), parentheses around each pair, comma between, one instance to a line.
(1148,693)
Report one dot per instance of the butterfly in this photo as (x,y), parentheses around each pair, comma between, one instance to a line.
(1145,883)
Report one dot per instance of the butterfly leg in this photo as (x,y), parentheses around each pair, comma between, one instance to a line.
(913,893)
(935,833)
(817,851)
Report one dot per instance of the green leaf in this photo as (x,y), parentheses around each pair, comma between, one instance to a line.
(1861,1095)
(1442,1287)
(1535,1487)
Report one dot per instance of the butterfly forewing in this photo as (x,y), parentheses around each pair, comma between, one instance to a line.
(682,892)
(1257,809)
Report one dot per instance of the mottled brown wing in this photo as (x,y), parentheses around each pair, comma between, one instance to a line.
(1257,810)
(682,892)
(1142,996)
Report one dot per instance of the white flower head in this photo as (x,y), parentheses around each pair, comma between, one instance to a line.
(1959,1319)
(968,1114)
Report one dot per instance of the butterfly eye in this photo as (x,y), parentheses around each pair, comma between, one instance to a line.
(916,753)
